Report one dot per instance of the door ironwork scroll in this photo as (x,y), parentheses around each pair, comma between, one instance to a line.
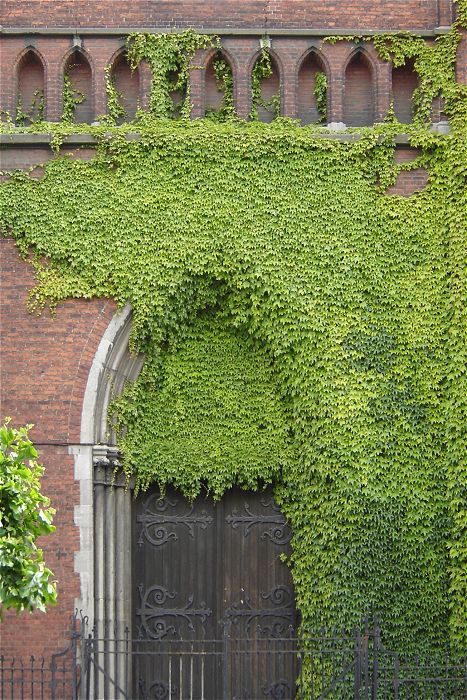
(207,577)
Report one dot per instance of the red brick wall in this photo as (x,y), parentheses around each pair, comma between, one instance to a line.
(44,367)
(409,181)
(395,14)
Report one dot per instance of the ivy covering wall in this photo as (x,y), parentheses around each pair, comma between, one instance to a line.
(301,327)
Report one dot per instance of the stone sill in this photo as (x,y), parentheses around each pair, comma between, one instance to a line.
(82,139)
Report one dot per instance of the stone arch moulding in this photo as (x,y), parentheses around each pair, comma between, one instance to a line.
(104,514)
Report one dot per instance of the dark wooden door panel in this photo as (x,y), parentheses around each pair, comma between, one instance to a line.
(212,598)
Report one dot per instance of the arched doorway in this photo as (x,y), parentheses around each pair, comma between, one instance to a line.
(177,593)
(213,603)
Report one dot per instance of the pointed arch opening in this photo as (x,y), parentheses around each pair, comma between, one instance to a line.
(30,105)
(219,95)
(127,85)
(404,83)
(312,90)
(359,94)
(266,88)
(78,102)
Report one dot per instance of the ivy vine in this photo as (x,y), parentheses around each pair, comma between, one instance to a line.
(115,109)
(71,97)
(320,91)
(34,114)
(261,71)
(169,56)
(224,82)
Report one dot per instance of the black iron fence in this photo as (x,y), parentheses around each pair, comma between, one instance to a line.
(335,666)
(37,678)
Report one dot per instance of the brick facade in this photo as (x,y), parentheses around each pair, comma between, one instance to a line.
(360,86)
(285,14)
(46,362)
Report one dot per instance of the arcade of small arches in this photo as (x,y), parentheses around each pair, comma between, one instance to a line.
(360,86)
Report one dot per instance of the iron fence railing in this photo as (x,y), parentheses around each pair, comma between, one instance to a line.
(38,678)
(98,666)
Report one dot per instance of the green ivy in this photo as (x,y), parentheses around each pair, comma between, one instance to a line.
(71,98)
(320,91)
(209,407)
(225,85)
(261,71)
(169,57)
(34,114)
(300,326)
(115,109)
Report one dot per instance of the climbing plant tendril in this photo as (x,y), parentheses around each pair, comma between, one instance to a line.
(224,83)
(320,92)
(168,56)
(261,71)
(300,326)
(115,109)
(71,97)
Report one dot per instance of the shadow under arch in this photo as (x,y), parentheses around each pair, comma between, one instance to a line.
(214,97)
(30,72)
(270,87)
(78,66)
(359,88)
(309,65)
(127,82)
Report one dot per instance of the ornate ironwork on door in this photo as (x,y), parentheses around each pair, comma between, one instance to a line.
(205,572)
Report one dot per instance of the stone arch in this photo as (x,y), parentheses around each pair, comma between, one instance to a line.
(112,367)
(127,82)
(213,97)
(104,513)
(30,75)
(270,86)
(359,89)
(309,65)
(78,66)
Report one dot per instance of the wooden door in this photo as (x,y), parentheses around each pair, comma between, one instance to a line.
(212,599)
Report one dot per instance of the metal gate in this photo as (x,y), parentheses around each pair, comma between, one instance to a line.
(209,577)
(341,666)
